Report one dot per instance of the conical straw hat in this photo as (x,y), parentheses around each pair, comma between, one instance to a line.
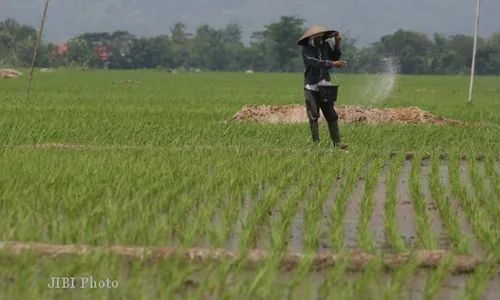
(315,29)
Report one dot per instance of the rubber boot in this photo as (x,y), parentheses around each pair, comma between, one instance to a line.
(314,131)
(333,127)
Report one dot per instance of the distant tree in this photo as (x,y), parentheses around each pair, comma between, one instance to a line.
(272,49)
(17,42)
(279,42)
(181,45)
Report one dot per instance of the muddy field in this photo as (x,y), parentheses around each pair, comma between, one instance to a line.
(448,208)
(107,158)
(407,214)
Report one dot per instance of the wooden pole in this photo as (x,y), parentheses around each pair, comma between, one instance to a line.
(474,49)
(37,44)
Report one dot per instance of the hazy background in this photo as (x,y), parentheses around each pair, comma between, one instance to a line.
(365,20)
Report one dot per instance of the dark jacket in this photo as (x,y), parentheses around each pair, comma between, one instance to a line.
(317,66)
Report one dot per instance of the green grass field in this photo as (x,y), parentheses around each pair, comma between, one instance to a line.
(89,160)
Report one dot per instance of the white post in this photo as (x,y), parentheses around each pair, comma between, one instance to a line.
(473,67)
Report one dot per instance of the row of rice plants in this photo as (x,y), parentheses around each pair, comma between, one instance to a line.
(321,186)
(474,212)
(354,166)
(373,173)
(208,199)
(481,191)
(281,225)
(446,209)
(421,204)
(283,174)
(390,221)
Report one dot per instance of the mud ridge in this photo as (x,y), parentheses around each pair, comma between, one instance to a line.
(358,261)
(410,155)
(443,156)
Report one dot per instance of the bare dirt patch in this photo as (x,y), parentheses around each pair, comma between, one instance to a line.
(67,146)
(127,81)
(426,90)
(347,114)
(61,146)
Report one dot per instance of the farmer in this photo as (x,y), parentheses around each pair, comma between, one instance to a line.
(319,58)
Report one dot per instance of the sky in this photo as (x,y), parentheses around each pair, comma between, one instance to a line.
(365,20)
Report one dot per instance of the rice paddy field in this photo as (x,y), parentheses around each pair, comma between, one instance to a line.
(138,177)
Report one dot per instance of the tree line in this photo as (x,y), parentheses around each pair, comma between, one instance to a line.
(273,49)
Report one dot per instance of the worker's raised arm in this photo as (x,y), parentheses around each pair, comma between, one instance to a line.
(308,55)
(335,53)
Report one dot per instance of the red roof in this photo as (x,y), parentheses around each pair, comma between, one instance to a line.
(102,51)
(62,49)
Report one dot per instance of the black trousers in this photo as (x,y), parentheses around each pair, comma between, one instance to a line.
(313,106)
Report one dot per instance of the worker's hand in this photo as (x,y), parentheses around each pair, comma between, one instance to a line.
(339,64)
